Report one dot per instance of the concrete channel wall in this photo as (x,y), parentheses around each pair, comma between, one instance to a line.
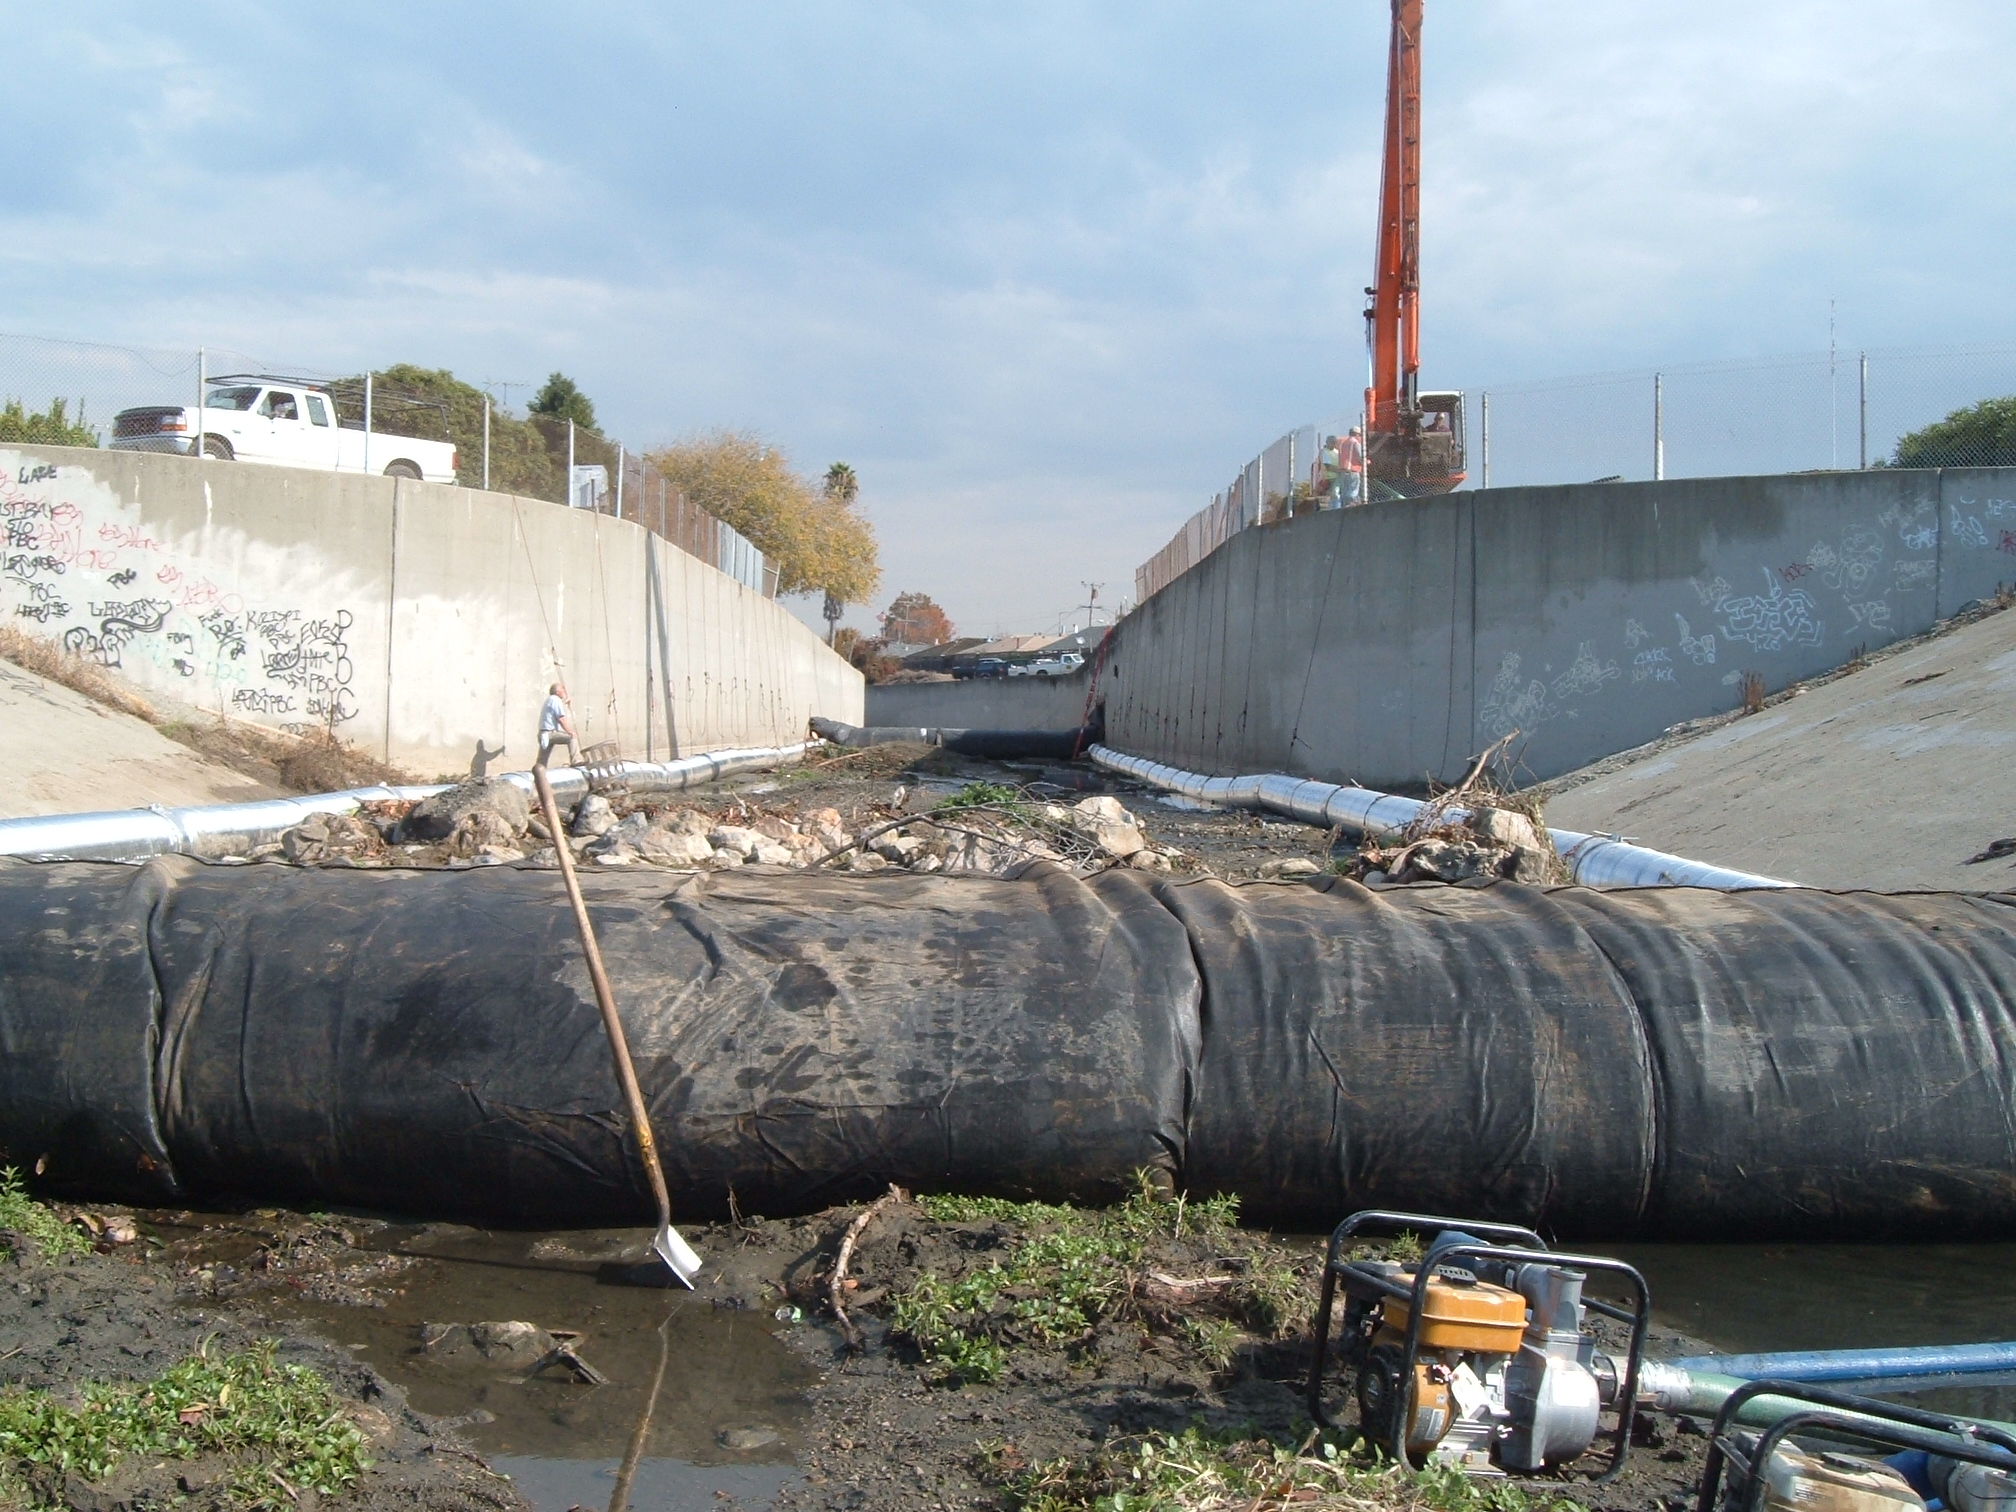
(983,703)
(1385,645)
(421,621)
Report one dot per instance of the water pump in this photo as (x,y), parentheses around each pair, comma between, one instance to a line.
(1479,1354)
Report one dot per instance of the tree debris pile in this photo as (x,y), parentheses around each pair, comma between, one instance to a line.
(984,829)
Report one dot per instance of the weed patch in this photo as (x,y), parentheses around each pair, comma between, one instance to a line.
(280,1423)
(50,1235)
(1199,1471)
(1068,1269)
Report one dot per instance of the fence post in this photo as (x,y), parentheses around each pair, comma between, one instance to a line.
(1658,426)
(202,383)
(486,443)
(367,420)
(1485,427)
(1864,405)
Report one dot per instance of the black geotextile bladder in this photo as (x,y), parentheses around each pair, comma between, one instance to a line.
(1457,1050)
(1676,1063)
(428,1041)
(78,1017)
(1828,1064)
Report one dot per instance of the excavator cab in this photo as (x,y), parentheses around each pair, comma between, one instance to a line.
(1424,452)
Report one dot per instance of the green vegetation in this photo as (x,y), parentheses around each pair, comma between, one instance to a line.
(25,1216)
(1198,1471)
(50,427)
(281,1423)
(811,534)
(1982,435)
(980,795)
(562,399)
(1070,1268)
(434,404)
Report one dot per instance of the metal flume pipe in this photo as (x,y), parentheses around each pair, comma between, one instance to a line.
(231,828)
(1592,860)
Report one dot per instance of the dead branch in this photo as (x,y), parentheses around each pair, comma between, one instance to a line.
(836,1285)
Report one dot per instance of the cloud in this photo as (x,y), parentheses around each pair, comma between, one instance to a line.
(1046,276)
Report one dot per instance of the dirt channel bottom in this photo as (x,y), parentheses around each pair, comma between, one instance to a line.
(744,1393)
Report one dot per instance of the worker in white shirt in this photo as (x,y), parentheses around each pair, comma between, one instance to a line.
(555,725)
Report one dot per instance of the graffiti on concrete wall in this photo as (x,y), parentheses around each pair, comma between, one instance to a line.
(1856,588)
(80,569)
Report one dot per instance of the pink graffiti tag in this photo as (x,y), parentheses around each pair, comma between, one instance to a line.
(2007,543)
(125,536)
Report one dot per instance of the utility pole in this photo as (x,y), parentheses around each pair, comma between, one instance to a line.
(1658,426)
(486,443)
(1487,438)
(1865,411)
(1091,599)
(203,398)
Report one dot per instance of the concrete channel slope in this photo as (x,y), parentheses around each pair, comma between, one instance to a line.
(1889,777)
(63,753)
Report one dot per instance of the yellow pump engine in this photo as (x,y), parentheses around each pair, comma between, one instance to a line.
(1479,1354)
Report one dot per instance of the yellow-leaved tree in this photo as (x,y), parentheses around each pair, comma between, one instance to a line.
(812,534)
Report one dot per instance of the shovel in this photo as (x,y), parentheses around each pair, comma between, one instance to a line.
(669,1247)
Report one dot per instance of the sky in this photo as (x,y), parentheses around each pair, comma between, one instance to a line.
(1045,275)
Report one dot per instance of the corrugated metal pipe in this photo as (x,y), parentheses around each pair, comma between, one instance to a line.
(1592,860)
(233,828)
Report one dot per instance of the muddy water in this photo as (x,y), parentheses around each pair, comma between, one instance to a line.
(1741,1298)
(698,1401)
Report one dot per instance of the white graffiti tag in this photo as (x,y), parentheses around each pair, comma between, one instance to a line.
(1772,620)
(1698,649)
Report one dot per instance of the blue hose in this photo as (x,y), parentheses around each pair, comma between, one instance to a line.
(1861,1364)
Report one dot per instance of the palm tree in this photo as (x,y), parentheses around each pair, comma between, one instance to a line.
(841,483)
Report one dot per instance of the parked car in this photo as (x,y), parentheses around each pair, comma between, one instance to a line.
(986,666)
(1050,666)
(259,419)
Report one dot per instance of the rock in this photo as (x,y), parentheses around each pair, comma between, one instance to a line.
(1293,866)
(480,830)
(1107,824)
(742,1440)
(924,865)
(1148,860)
(120,1230)
(593,816)
(1505,827)
(686,821)
(1446,861)
(436,818)
(519,1345)
(774,828)
(733,837)
(866,861)
(724,860)
(770,853)
(669,848)
(899,848)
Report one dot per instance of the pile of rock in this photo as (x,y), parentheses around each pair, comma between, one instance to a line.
(1492,842)
(491,823)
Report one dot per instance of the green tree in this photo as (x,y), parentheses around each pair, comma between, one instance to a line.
(1982,435)
(841,484)
(434,403)
(563,400)
(50,427)
(817,542)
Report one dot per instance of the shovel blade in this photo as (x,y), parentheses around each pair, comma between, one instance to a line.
(677,1254)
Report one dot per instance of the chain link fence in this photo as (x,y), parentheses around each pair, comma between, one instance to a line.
(68,393)
(1809,412)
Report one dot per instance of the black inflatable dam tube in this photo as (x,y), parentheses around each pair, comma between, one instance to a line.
(987,745)
(1660,1062)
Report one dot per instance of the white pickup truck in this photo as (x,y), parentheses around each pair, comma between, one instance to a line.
(293,424)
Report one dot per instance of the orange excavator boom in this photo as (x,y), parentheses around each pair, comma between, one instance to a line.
(1414,442)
